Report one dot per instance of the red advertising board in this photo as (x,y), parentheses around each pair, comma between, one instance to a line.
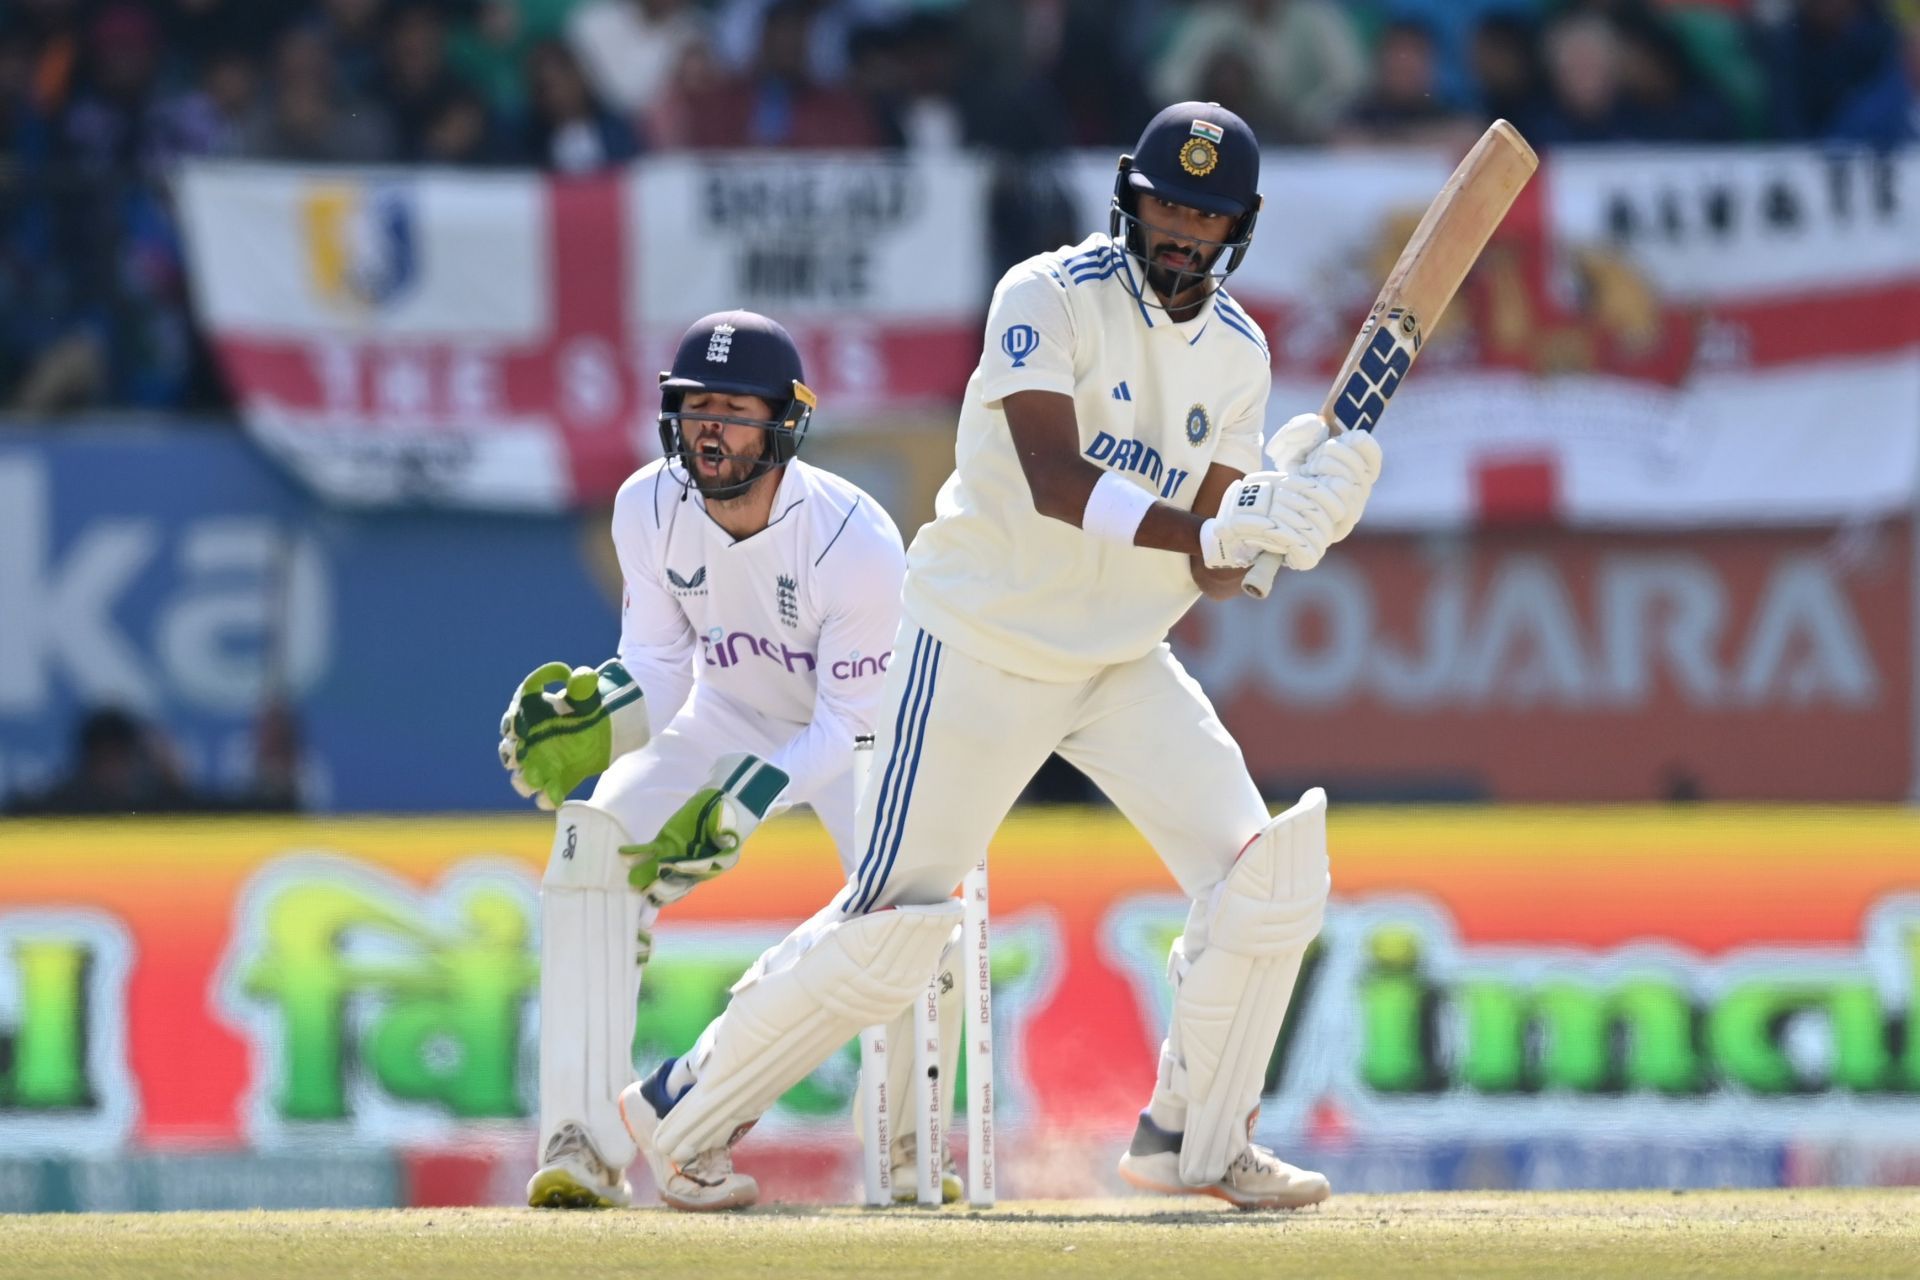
(1530,664)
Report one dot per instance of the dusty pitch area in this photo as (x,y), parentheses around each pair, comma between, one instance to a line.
(1633,1234)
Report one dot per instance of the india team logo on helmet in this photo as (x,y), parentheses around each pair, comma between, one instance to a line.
(1201,152)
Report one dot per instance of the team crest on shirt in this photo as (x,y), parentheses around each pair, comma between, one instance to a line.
(784,596)
(1198,424)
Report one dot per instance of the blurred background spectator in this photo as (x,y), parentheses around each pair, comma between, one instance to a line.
(780,99)
(1820,53)
(310,112)
(570,132)
(414,80)
(1886,110)
(120,765)
(630,49)
(1505,60)
(123,765)
(1297,66)
(1405,105)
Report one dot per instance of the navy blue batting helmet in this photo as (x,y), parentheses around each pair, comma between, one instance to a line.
(1197,154)
(738,353)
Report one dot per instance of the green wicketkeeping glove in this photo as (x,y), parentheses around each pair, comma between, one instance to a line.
(703,837)
(553,740)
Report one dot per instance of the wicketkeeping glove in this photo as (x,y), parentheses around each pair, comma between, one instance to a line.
(553,740)
(703,837)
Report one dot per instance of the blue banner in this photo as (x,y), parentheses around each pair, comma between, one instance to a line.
(177,576)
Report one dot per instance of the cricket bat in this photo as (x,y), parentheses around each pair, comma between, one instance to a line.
(1442,249)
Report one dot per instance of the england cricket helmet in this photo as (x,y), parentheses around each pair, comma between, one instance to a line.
(738,353)
(1197,154)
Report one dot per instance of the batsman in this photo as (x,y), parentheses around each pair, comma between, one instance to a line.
(1108,473)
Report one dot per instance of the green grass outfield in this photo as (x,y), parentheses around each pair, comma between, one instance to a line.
(1634,1234)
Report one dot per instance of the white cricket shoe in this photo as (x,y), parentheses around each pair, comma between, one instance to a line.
(704,1183)
(574,1176)
(1257,1179)
(906,1172)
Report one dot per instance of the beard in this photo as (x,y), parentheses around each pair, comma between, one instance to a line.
(1171,280)
(723,480)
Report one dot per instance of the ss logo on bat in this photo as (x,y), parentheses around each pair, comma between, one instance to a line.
(1377,377)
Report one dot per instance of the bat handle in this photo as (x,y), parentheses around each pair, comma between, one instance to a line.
(1259,579)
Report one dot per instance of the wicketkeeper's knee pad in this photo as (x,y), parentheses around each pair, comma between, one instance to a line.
(1232,998)
(586,849)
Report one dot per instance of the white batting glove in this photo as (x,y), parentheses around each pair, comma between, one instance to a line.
(1294,502)
(1234,539)
(1299,436)
(1345,469)
(1303,518)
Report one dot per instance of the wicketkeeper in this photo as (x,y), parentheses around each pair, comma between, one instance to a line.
(761,600)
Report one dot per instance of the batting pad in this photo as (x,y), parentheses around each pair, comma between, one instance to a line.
(1229,1008)
(589,981)
(779,1027)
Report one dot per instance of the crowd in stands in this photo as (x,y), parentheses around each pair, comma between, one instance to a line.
(99,97)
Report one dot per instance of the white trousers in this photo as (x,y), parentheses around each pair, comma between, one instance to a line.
(959,739)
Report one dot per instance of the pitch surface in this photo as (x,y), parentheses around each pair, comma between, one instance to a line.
(1636,1234)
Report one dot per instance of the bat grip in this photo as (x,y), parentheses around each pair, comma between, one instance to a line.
(1259,579)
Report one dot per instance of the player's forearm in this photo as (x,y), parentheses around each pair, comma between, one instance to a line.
(1063,490)
(1168,528)
(665,677)
(814,755)
(1061,486)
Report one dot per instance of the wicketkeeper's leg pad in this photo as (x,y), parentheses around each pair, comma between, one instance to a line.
(786,1020)
(1232,999)
(589,980)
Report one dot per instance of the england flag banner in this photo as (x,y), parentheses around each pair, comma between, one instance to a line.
(1652,338)
(410,337)
(417,338)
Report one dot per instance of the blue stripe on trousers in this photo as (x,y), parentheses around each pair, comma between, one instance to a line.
(915,704)
(906,802)
(882,806)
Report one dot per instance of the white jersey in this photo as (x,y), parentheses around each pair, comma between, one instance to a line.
(795,623)
(1157,403)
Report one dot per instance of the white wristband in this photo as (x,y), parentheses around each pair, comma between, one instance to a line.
(1115,509)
